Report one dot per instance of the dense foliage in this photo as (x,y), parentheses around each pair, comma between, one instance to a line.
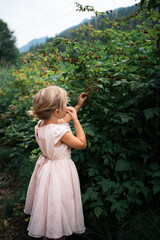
(8,50)
(151,3)
(119,171)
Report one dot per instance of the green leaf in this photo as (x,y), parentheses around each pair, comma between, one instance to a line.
(89,144)
(127,184)
(119,205)
(142,49)
(92,172)
(90,132)
(145,157)
(145,191)
(100,86)
(156,185)
(110,198)
(149,113)
(139,183)
(106,110)
(98,211)
(122,166)
(85,197)
(124,119)
(124,131)
(156,174)
(156,189)
(117,83)
(154,166)
(140,129)
(107,184)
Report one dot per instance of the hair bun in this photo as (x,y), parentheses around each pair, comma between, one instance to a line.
(30,113)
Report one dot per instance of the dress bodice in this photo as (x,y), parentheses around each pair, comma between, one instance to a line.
(47,138)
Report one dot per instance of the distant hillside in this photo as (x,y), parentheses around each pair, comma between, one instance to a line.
(33,43)
(69,33)
(98,24)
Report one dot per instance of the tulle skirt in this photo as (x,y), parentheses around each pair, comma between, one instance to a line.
(54,200)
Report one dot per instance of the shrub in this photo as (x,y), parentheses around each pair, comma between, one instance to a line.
(119,171)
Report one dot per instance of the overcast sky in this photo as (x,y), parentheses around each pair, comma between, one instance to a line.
(30,19)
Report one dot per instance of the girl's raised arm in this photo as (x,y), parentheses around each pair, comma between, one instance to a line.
(82,97)
(78,142)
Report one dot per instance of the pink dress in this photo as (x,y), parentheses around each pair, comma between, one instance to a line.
(54,198)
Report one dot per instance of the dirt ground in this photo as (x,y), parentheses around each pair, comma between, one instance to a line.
(11,226)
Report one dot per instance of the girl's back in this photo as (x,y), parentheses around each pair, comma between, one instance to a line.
(48,138)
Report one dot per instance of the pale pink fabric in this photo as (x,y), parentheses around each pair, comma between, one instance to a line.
(53,198)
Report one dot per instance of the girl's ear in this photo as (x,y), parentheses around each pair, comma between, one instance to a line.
(56,112)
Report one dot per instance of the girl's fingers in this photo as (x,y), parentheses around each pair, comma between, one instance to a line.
(84,95)
(72,112)
(69,112)
(71,109)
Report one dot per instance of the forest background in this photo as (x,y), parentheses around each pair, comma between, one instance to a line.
(115,59)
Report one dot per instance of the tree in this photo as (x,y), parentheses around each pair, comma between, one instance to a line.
(8,50)
(151,4)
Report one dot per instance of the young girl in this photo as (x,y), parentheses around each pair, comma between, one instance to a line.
(53,198)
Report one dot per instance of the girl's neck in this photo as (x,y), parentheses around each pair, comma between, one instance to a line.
(49,122)
(52,120)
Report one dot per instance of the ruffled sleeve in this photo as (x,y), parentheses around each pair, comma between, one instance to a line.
(60,131)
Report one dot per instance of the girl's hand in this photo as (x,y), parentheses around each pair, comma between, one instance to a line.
(81,99)
(73,114)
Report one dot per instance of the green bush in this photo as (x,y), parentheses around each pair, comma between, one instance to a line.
(119,171)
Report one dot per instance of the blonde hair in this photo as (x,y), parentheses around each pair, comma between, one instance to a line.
(47,100)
